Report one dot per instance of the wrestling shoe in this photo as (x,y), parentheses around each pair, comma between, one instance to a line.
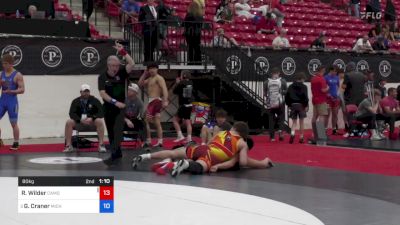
(166,168)
(179,166)
(68,149)
(15,146)
(102,149)
(179,139)
(136,161)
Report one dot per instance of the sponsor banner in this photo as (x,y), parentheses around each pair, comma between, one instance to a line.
(54,56)
(257,64)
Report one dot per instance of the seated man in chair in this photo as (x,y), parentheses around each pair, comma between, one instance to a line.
(85,110)
(134,111)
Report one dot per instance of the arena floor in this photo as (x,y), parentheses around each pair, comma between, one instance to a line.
(286,194)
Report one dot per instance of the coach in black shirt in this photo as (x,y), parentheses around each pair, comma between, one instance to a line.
(112,86)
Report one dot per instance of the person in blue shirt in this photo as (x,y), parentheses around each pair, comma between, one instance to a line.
(332,80)
(130,9)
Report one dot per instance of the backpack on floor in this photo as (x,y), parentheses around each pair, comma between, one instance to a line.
(83,142)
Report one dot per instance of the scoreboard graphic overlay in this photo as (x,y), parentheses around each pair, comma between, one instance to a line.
(65,194)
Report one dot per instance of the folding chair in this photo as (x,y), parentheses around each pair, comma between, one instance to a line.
(85,131)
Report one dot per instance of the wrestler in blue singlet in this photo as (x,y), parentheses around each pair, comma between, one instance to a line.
(9,102)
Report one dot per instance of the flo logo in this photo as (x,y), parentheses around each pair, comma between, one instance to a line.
(313,65)
(288,66)
(340,64)
(385,68)
(15,52)
(89,57)
(362,65)
(261,65)
(51,56)
(233,64)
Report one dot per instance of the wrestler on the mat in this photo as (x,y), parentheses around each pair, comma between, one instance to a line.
(158,99)
(222,153)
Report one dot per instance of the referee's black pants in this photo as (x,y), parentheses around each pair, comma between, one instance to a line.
(114,119)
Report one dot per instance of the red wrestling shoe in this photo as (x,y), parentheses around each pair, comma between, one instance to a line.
(165,168)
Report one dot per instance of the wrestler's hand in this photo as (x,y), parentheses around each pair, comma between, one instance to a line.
(165,104)
(213,169)
(120,105)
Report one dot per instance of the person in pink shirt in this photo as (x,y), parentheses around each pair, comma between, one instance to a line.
(391,109)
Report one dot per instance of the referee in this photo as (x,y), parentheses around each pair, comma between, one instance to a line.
(112,91)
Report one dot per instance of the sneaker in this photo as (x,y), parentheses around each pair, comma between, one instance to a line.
(179,166)
(291,140)
(166,168)
(136,161)
(68,148)
(376,137)
(301,141)
(179,139)
(15,146)
(158,145)
(102,149)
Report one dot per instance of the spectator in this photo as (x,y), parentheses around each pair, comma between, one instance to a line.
(220,40)
(183,88)
(362,45)
(266,25)
(243,9)
(319,90)
(148,18)
(390,12)
(320,42)
(394,31)
(376,30)
(213,127)
(130,8)
(32,9)
(163,14)
(354,8)
(391,110)
(193,24)
(332,80)
(224,12)
(274,92)
(380,44)
(281,41)
(297,101)
(277,9)
(85,110)
(373,7)
(134,111)
(381,87)
(341,97)
(367,113)
(353,85)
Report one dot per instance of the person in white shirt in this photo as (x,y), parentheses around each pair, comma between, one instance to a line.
(243,9)
(362,44)
(281,41)
(220,40)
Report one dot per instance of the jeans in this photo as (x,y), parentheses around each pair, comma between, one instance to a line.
(356,8)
